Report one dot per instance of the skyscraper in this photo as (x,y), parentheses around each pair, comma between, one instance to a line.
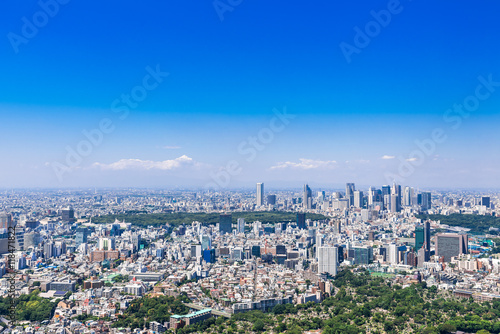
(241,225)
(358,199)
(271,199)
(307,200)
(327,260)
(419,238)
(349,193)
(225,224)
(260,194)
(485,201)
(451,244)
(407,197)
(395,198)
(301,220)
(206,242)
(372,194)
(426,201)
(427,236)
(82,234)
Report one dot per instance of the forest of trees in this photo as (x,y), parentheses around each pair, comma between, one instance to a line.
(29,307)
(479,224)
(157,219)
(152,309)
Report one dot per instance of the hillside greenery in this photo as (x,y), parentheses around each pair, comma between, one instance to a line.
(30,307)
(179,218)
(478,224)
(151,309)
(366,304)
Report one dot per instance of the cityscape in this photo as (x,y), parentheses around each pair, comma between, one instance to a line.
(93,252)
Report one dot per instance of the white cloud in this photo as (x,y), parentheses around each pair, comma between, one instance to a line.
(388,157)
(124,164)
(411,159)
(306,164)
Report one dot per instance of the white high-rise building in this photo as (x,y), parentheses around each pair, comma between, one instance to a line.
(260,194)
(241,225)
(106,243)
(393,254)
(327,260)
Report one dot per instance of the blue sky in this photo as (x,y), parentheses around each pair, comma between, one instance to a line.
(356,118)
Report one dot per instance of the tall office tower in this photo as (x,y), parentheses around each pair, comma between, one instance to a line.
(395,204)
(396,189)
(206,242)
(395,198)
(485,201)
(196,251)
(358,199)
(427,236)
(257,226)
(386,190)
(260,194)
(363,255)
(241,225)
(393,251)
(136,242)
(307,198)
(451,244)
(426,201)
(407,196)
(422,256)
(301,220)
(271,199)
(419,238)
(321,196)
(68,215)
(349,193)
(372,196)
(82,234)
(6,221)
(327,260)
(225,224)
